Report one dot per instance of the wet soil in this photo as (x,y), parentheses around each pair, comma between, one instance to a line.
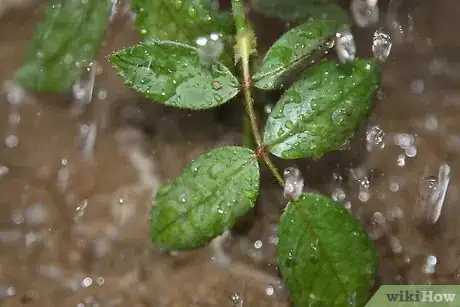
(73,226)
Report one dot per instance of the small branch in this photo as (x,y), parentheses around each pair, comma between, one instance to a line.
(245,46)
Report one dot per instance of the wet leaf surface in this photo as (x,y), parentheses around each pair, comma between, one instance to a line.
(206,199)
(179,20)
(175,74)
(300,10)
(319,112)
(64,44)
(325,256)
(293,50)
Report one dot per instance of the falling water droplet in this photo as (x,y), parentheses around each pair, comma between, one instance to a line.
(87,139)
(11,141)
(114,10)
(258,244)
(431,123)
(381,44)
(401,160)
(338,194)
(395,245)
(417,86)
(83,88)
(432,192)
(364,14)
(269,291)
(236,299)
(293,183)
(374,138)
(210,47)
(15,94)
(352,300)
(379,225)
(268,108)
(345,45)
(404,140)
(430,265)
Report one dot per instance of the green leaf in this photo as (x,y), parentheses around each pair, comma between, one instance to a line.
(318,113)
(64,44)
(292,51)
(325,256)
(206,199)
(175,74)
(179,20)
(301,10)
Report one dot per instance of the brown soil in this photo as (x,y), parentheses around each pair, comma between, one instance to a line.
(73,228)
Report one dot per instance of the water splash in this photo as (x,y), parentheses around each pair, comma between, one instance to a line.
(345,45)
(364,12)
(293,183)
(381,44)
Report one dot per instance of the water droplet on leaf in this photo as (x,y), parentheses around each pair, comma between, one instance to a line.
(216,85)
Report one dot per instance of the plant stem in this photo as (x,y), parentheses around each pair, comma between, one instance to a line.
(245,46)
(271,166)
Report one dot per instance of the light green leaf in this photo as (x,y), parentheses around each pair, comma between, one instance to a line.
(175,74)
(319,112)
(325,256)
(292,51)
(64,44)
(301,10)
(206,199)
(179,20)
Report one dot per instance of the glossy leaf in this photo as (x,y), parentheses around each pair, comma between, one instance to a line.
(293,50)
(179,20)
(175,74)
(206,199)
(319,112)
(325,256)
(64,44)
(301,10)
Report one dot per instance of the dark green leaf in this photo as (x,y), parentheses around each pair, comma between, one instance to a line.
(64,44)
(301,10)
(321,111)
(292,51)
(179,20)
(325,256)
(175,74)
(206,199)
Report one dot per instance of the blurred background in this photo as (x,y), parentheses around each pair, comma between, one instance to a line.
(74,202)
